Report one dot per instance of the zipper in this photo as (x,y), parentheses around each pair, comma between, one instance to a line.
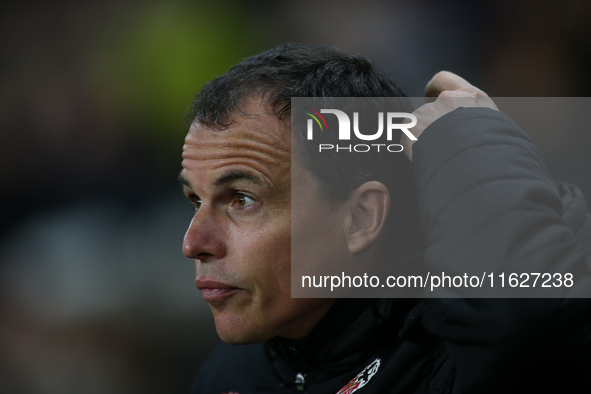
(300,382)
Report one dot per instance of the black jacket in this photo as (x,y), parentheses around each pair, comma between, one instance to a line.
(484,195)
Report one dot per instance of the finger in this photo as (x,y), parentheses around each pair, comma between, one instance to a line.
(445,80)
(459,93)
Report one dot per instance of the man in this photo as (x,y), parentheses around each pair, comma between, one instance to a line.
(238,172)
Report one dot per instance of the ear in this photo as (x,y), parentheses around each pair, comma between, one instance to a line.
(369,205)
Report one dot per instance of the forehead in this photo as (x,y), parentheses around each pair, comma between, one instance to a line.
(256,140)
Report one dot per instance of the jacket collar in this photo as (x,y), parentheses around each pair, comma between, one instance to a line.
(351,330)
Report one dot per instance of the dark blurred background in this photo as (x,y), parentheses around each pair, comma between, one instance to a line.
(95,295)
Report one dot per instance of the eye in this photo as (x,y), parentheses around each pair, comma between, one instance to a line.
(243,201)
(196,201)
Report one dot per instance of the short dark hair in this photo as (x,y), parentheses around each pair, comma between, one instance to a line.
(301,70)
(290,71)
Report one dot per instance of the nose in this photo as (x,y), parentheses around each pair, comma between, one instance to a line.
(203,239)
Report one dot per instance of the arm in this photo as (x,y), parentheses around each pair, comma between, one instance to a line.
(486,198)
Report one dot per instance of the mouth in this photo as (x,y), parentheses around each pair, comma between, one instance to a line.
(213,290)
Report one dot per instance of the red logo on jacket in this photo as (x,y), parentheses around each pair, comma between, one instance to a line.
(362,379)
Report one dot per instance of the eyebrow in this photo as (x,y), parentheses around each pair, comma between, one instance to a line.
(183,181)
(234,175)
(228,177)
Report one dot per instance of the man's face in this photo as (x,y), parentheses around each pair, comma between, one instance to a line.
(239,180)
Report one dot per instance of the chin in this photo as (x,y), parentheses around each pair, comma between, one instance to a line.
(240,338)
(234,333)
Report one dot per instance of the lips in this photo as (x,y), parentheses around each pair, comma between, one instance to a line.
(213,290)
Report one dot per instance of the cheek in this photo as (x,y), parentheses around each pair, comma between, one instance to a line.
(318,242)
(275,260)
(263,255)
